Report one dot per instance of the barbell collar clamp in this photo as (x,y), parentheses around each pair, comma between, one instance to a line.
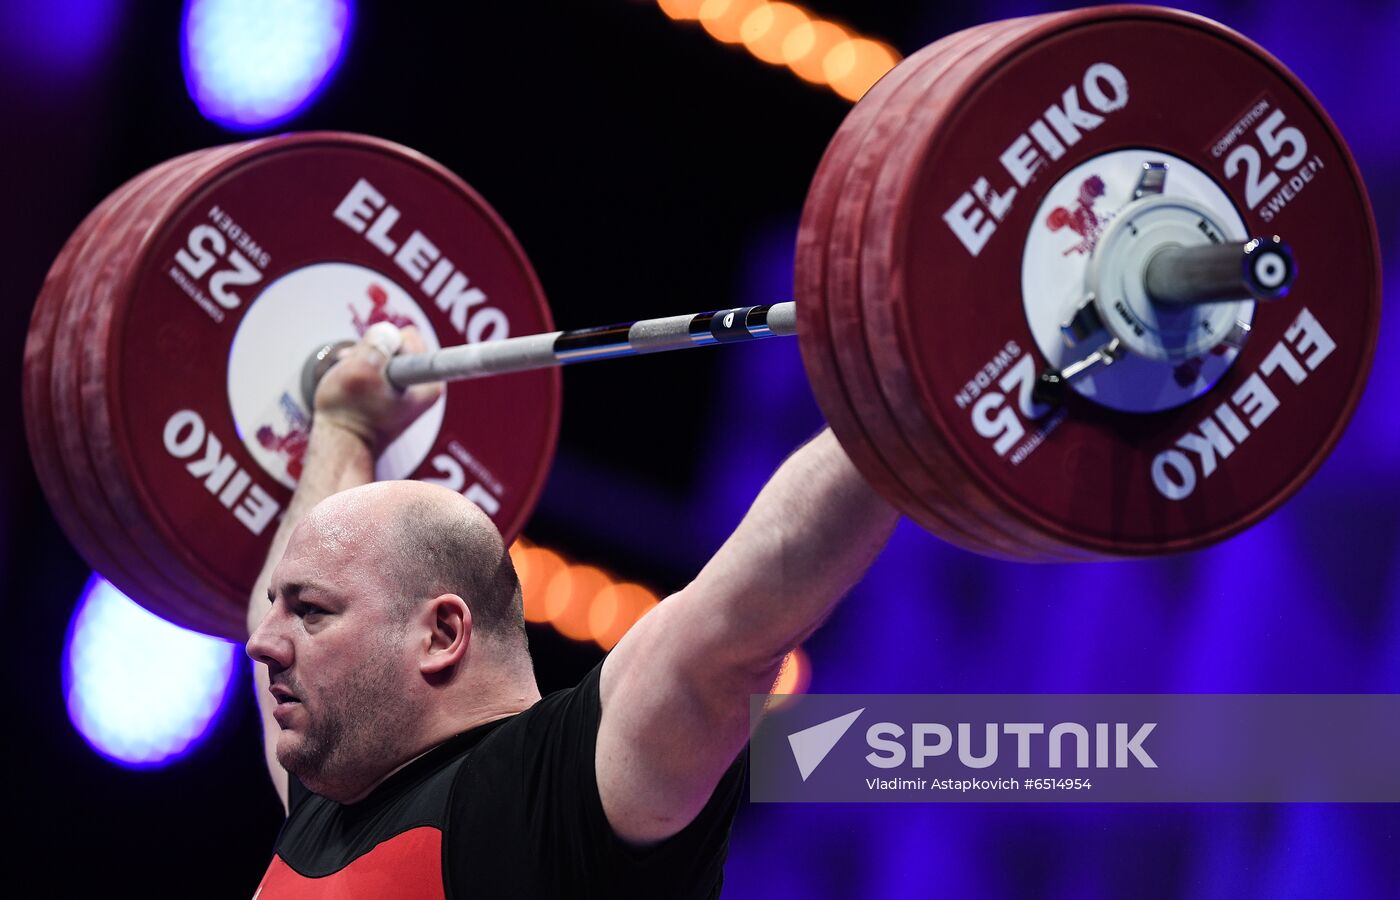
(1152,180)
(1051,384)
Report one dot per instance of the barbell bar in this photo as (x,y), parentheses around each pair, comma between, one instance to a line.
(1176,275)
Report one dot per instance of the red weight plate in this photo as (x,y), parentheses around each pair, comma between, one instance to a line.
(936,462)
(811,286)
(929,493)
(293,242)
(844,307)
(73,499)
(165,588)
(38,365)
(192,604)
(1121,80)
(877,298)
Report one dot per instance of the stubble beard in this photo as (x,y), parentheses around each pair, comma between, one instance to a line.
(355,734)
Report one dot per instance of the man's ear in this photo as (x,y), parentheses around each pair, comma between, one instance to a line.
(449,624)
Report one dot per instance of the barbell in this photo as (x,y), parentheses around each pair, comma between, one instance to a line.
(1082,285)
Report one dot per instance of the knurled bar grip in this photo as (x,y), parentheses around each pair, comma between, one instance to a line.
(558,348)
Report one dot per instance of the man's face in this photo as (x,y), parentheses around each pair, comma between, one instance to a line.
(337,657)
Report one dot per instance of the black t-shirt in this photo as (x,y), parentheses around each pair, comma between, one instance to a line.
(508,809)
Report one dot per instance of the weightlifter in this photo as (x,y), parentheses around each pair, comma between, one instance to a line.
(403,728)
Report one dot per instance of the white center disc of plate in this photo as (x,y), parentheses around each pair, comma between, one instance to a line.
(1054,269)
(304,309)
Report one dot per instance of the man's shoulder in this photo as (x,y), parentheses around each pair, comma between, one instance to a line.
(578,702)
(571,712)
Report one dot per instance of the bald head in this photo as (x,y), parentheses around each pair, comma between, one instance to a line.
(429,541)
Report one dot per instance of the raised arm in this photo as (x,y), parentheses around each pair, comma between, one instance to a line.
(675,690)
(356,415)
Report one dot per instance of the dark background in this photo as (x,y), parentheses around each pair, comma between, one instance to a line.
(649,170)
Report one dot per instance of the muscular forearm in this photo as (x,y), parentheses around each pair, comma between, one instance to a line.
(811,534)
(336,459)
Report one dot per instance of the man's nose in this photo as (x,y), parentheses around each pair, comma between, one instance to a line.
(268,644)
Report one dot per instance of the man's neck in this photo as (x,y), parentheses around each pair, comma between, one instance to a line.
(460,723)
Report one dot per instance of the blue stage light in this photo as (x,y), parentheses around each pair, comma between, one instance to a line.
(252,64)
(140,690)
(58,37)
